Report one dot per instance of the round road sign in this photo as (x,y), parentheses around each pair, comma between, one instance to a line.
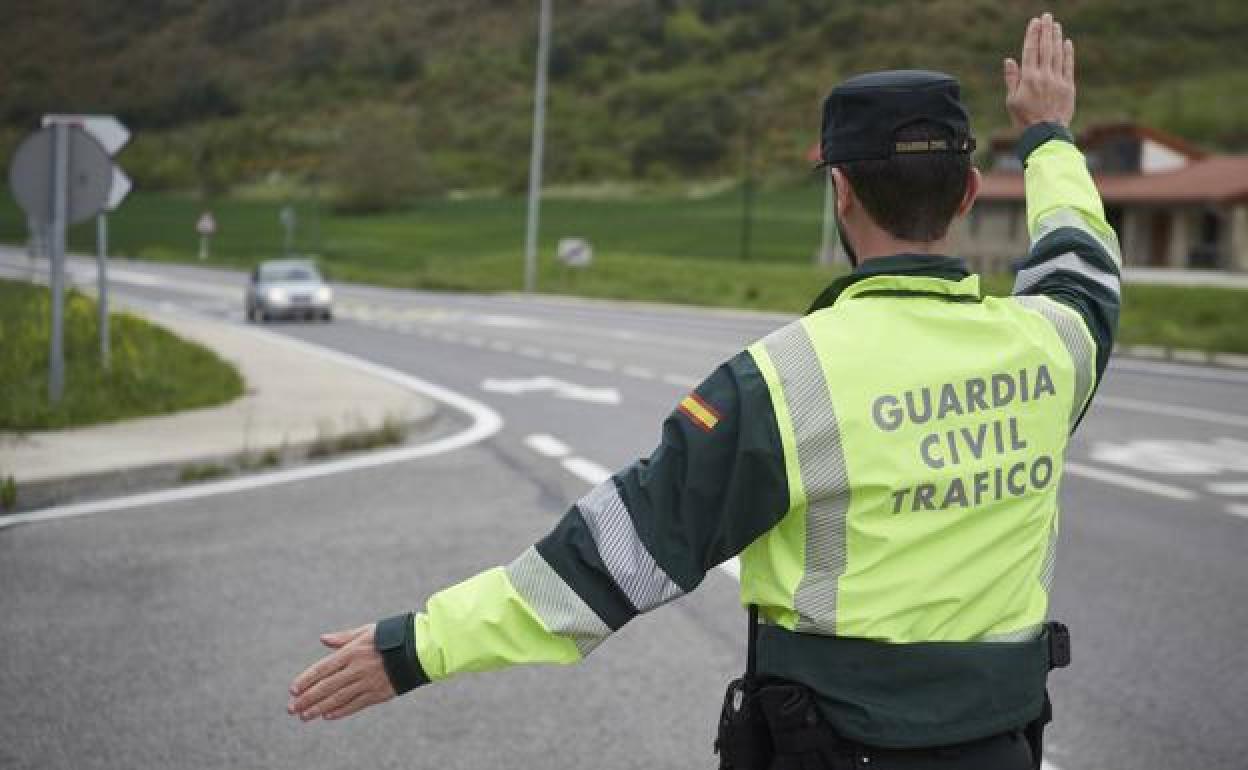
(90,175)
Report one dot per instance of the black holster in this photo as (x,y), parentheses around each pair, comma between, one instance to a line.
(743,741)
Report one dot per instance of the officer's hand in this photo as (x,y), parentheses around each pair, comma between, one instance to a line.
(349,679)
(1042,89)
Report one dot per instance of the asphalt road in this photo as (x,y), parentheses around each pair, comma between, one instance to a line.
(165,636)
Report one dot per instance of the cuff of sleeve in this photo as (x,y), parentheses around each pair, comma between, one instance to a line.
(1036,135)
(395,639)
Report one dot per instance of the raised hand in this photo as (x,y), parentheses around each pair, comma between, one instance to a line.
(1042,88)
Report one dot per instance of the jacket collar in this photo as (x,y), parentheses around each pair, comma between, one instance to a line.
(918,274)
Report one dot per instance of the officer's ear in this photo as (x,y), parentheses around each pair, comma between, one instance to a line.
(846,201)
(973,182)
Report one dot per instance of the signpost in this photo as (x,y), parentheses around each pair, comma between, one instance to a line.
(289,220)
(60,175)
(111,136)
(206,227)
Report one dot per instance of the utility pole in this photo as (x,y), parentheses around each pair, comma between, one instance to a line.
(539,141)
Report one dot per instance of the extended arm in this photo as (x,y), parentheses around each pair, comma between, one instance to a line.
(642,538)
(1074,256)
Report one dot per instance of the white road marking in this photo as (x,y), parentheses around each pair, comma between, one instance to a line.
(501,346)
(559,388)
(1186,371)
(1238,509)
(1230,489)
(1130,482)
(1177,457)
(531,352)
(586,470)
(640,372)
(600,364)
(680,381)
(474,341)
(1172,410)
(485,423)
(547,445)
(563,358)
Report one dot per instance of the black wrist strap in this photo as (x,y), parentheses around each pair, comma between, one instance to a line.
(395,639)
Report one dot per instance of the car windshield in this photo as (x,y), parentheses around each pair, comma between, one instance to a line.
(288,273)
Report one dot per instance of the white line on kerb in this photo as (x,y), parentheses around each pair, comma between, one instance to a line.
(485,423)
(1172,410)
(547,445)
(1130,482)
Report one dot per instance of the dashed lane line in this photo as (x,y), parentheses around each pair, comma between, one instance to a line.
(1230,489)
(547,445)
(485,423)
(586,470)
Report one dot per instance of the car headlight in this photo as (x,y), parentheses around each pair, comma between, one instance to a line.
(276,295)
(324,294)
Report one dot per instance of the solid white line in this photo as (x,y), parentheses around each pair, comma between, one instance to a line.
(586,470)
(1130,482)
(547,445)
(485,423)
(1233,489)
(1172,410)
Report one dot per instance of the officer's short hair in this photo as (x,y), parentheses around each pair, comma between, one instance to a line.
(913,196)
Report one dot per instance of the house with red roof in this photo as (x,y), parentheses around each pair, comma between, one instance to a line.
(1172,204)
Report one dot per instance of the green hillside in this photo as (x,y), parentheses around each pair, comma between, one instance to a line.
(399,99)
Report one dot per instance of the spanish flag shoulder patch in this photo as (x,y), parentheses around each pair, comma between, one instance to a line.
(699,412)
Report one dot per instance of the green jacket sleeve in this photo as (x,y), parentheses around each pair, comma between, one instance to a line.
(644,537)
(1074,257)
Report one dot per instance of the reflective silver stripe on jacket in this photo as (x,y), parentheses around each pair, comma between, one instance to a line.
(821,461)
(1075,338)
(628,560)
(560,608)
(1069,262)
(1065,216)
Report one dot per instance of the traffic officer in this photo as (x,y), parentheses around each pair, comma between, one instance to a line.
(887,468)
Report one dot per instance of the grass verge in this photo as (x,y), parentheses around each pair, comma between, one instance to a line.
(153,371)
(656,246)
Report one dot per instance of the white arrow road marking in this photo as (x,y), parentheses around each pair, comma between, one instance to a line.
(559,388)
(1130,482)
(1183,458)
(1232,489)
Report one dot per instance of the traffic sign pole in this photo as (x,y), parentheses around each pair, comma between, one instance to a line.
(56,261)
(101,272)
(539,141)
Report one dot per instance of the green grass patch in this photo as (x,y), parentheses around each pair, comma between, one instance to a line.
(652,244)
(153,371)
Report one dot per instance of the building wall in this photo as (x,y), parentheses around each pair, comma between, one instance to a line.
(991,237)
